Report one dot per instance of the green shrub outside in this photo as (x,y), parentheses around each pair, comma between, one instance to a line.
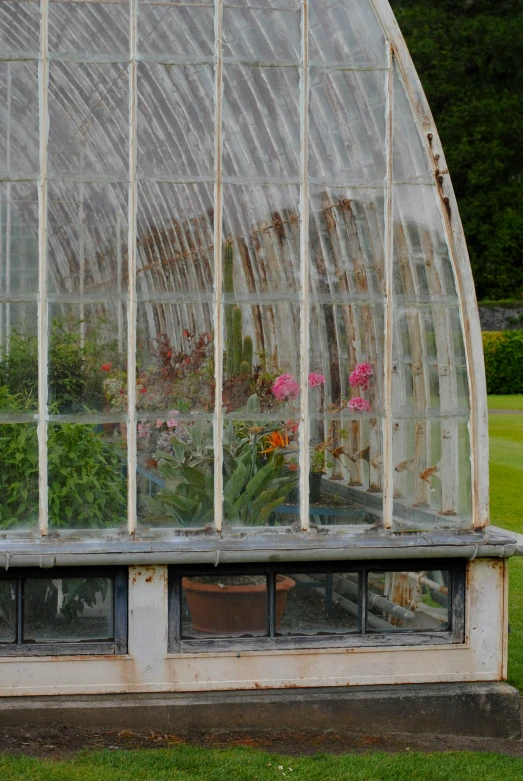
(503,361)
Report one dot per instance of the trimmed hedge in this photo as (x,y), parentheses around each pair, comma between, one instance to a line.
(503,361)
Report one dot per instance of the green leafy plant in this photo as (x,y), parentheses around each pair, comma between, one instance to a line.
(86,485)
(253,485)
(503,352)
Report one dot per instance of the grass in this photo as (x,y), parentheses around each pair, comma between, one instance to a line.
(189,763)
(506,510)
(506,402)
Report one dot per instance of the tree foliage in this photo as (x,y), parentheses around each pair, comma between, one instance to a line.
(469,56)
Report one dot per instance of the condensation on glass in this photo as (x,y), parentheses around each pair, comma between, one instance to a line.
(228,293)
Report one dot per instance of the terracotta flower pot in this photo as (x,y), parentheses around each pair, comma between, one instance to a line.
(233,610)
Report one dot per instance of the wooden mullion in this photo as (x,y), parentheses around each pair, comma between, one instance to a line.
(120,601)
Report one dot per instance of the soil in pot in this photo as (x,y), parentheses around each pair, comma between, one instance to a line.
(231,606)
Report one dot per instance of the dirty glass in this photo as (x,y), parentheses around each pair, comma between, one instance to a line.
(318,604)
(7,611)
(68,610)
(408,601)
(224,606)
(194,225)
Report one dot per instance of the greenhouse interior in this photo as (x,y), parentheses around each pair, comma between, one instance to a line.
(243,422)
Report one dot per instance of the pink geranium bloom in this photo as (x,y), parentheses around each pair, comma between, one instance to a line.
(361,376)
(159,423)
(172,424)
(358,404)
(315,380)
(285,387)
(144,430)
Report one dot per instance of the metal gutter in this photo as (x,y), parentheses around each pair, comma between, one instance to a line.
(50,554)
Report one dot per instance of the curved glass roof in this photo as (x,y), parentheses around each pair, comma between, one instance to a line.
(232,266)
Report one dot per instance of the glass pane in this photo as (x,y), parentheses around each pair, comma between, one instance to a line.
(87,358)
(262,230)
(175,241)
(88,118)
(262,34)
(18,358)
(317,604)
(274,4)
(431,473)
(224,606)
(7,611)
(261,122)
(175,358)
(20,26)
(408,601)
(86,476)
(262,344)
(346,229)
(175,120)
(87,239)
(68,610)
(346,358)
(345,454)
(346,33)
(422,264)
(18,238)
(175,471)
(18,476)
(347,127)
(410,161)
(19,139)
(176,29)
(100,27)
(260,471)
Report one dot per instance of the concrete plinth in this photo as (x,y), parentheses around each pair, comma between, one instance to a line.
(464,709)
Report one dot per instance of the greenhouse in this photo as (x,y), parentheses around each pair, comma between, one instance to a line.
(243,425)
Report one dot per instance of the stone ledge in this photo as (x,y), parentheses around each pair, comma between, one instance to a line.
(459,709)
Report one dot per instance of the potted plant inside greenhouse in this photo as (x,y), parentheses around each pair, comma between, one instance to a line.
(243,429)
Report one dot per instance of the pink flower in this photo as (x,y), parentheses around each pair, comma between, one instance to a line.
(361,376)
(144,430)
(315,380)
(159,423)
(285,387)
(172,423)
(358,404)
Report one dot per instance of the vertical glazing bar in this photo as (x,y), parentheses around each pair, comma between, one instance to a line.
(304,269)
(388,474)
(218,309)
(8,216)
(43,82)
(81,217)
(131,296)
(119,281)
(1,272)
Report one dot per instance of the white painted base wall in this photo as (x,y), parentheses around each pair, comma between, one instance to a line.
(149,668)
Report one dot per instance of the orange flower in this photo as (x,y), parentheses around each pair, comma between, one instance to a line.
(275,440)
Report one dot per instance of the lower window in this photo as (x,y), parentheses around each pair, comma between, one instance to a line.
(63,612)
(316,605)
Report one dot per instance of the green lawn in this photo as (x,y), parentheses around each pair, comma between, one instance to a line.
(506,509)
(506,402)
(239,764)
